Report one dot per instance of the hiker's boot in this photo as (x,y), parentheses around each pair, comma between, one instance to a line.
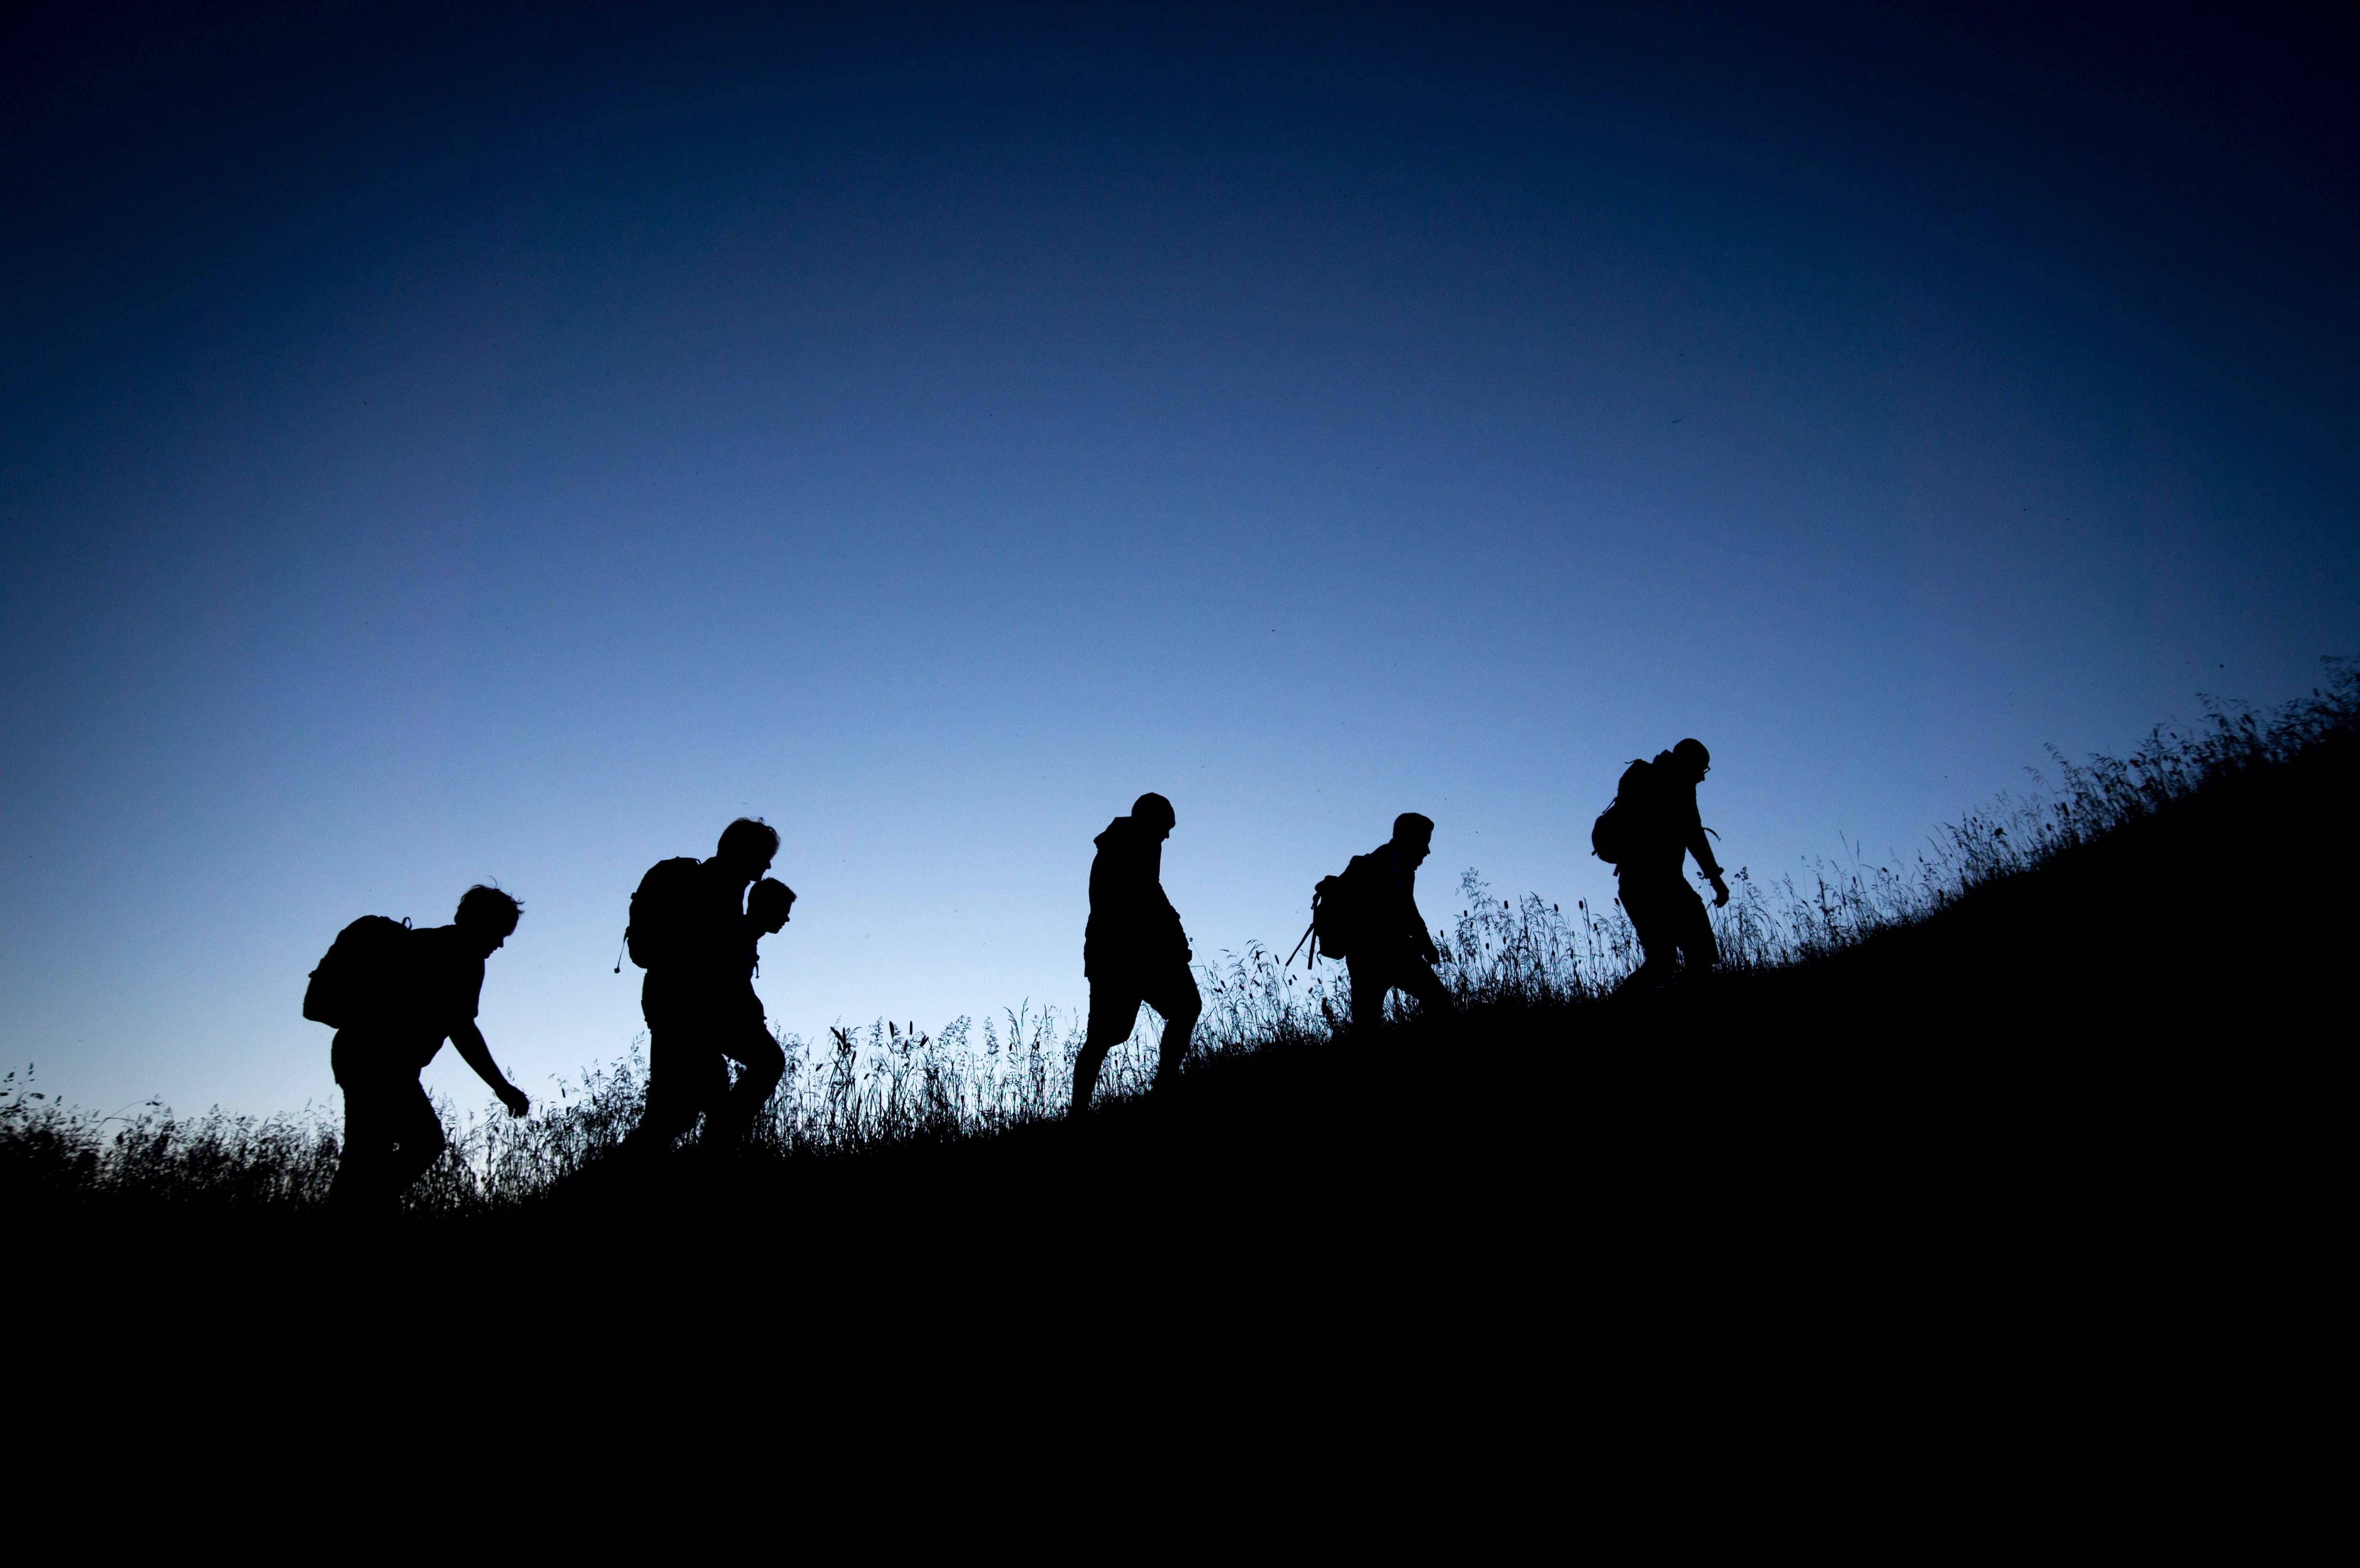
(1167,1064)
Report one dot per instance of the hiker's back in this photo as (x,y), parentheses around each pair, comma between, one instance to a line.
(687,933)
(1378,910)
(1126,874)
(447,980)
(395,991)
(696,917)
(1339,911)
(1130,920)
(662,929)
(360,980)
(1641,831)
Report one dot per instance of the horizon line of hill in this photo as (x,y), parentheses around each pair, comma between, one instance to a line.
(855,1094)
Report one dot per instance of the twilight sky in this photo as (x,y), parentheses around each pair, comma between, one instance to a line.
(434,450)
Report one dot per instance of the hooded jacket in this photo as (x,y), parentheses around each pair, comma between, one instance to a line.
(1669,827)
(1391,925)
(1132,924)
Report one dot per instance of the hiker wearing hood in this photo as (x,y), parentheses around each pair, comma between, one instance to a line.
(1392,950)
(1665,829)
(1133,950)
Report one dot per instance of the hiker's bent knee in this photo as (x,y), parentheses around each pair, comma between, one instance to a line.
(761,1077)
(760,1055)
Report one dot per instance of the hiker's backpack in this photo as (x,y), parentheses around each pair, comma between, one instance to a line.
(660,910)
(1338,907)
(1613,837)
(365,976)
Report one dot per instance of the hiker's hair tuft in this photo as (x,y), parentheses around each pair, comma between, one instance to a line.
(749,838)
(484,905)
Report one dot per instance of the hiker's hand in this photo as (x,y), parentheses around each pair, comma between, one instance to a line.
(513,1099)
(1719,892)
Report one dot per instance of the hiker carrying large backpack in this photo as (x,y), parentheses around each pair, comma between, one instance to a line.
(1646,832)
(1368,918)
(689,929)
(1134,951)
(394,995)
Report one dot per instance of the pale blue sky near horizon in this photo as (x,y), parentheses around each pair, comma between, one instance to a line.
(432,455)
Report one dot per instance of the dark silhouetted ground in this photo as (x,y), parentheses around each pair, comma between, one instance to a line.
(2062,1155)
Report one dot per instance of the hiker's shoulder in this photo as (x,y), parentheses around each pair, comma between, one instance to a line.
(716,880)
(443,952)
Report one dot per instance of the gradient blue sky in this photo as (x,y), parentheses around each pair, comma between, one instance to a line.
(435,450)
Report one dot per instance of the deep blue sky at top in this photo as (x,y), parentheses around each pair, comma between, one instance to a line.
(436,448)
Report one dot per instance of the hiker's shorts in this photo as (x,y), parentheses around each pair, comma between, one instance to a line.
(1115,999)
(1670,918)
(690,1047)
(391,1133)
(1374,974)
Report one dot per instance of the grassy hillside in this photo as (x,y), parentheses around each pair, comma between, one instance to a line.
(2095,1031)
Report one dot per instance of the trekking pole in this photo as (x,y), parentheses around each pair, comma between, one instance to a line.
(1298,947)
(618,952)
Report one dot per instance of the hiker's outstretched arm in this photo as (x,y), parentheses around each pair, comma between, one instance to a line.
(1425,947)
(1178,933)
(1700,845)
(469,1040)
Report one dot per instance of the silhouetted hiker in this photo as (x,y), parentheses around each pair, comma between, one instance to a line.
(692,933)
(1651,826)
(395,994)
(1368,918)
(1133,950)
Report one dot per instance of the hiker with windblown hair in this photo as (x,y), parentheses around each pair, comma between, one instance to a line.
(395,994)
(1134,950)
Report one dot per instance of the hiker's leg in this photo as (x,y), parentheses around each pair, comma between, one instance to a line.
(418,1135)
(1114,1009)
(761,1064)
(368,1129)
(1176,997)
(682,1066)
(1696,939)
(1085,1072)
(677,1090)
(1371,980)
(671,1111)
(368,1140)
(1418,978)
(1642,902)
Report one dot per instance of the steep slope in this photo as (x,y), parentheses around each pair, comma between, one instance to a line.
(2078,1126)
